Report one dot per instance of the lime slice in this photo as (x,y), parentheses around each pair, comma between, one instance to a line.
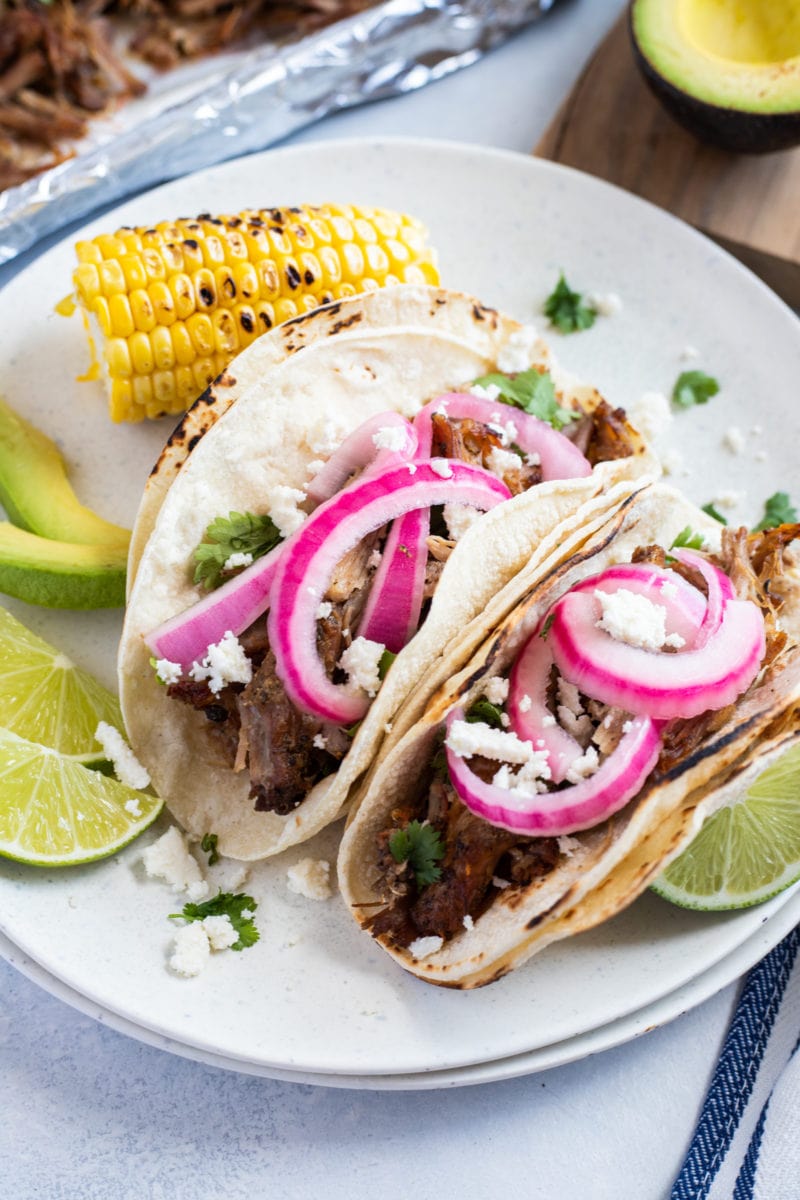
(44,697)
(56,813)
(745,853)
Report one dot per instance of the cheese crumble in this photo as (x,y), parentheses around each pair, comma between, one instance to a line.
(425,946)
(390,437)
(489,391)
(220,932)
(500,461)
(282,502)
(496,690)
(518,352)
(191,950)
(169,859)
(441,467)
(240,558)
(225,662)
(361,661)
(633,619)
(651,414)
(168,672)
(310,877)
(127,767)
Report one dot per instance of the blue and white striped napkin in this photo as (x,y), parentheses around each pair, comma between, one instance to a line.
(747,1142)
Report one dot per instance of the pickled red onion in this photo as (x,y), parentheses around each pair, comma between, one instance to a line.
(573,808)
(661,685)
(533,721)
(391,614)
(685,604)
(359,451)
(560,458)
(186,637)
(720,591)
(310,557)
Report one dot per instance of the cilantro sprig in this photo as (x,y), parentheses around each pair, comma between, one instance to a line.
(384,662)
(688,538)
(238,533)
(238,908)
(715,513)
(483,710)
(566,310)
(421,847)
(534,392)
(694,387)
(778,510)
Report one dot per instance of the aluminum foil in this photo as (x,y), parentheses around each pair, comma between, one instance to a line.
(393,48)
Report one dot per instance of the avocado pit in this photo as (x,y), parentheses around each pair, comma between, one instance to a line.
(727,70)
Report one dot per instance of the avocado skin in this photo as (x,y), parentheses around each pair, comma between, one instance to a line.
(730,129)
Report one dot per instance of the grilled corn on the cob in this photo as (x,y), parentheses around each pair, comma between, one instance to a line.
(173,303)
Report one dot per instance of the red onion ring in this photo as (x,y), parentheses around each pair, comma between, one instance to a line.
(720,592)
(649,682)
(358,451)
(686,609)
(311,554)
(391,614)
(530,677)
(185,638)
(579,806)
(560,458)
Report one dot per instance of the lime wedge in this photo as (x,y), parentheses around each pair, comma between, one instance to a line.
(745,853)
(45,697)
(56,813)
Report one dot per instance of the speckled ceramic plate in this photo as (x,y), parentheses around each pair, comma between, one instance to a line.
(316,996)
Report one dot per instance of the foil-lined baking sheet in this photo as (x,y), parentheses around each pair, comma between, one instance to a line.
(253,99)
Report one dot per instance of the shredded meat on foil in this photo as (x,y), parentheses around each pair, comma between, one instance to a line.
(64,61)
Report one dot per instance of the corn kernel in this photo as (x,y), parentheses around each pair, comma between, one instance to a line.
(141,353)
(118,358)
(100,310)
(201,332)
(182,344)
(163,302)
(111,277)
(144,314)
(163,348)
(225,336)
(120,316)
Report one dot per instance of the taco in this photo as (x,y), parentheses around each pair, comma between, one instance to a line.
(347,469)
(638,686)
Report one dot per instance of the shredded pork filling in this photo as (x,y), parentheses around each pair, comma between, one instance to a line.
(256,728)
(477,854)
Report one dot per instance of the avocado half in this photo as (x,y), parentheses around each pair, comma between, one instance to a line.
(727,70)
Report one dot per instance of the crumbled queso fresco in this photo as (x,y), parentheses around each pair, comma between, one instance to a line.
(225,662)
(282,502)
(488,392)
(628,617)
(127,767)
(240,558)
(500,461)
(361,661)
(169,859)
(651,414)
(425,946)
(310,877)
(168,672)
(496,690)
(390,437)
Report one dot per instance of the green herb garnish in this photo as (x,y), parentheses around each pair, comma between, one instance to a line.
(484,710)
(239,909)
(778,510)
(384,662)
(694,387)
(238,533)
(421,847)
(688,538)
(547,624)
(209,847)
(715,513)
(565,309)
(534,392)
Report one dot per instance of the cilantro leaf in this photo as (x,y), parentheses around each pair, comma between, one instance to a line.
(238,533)
(565,309)
(384,662)
(715,513)
(484,710)
(778,510)
(694,387)
(688,538)
(238,908)
(547,623)
(209,847)
(421,847)
(534,392)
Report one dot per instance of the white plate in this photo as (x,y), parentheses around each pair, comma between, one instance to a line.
(315,996)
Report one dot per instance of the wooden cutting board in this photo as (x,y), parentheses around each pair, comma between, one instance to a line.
(612,126)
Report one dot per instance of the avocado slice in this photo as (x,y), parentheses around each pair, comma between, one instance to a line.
(35,491)
(60,574)
(727,70)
